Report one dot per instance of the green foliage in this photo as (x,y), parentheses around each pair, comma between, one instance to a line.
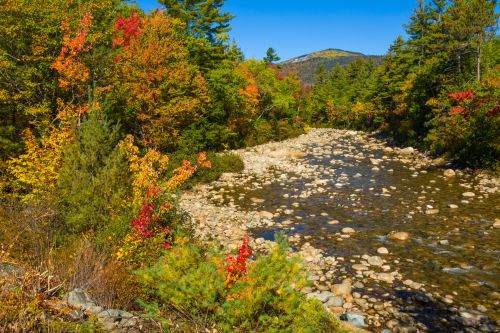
(206,27)
(31,40)
(94,180)
(266,300)
(187,278)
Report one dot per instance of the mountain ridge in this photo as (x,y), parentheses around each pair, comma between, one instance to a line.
(306,65)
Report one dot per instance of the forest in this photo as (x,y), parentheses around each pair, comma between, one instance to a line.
(108,113)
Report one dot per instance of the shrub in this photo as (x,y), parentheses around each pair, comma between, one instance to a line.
(269,300)
(261,132)
(221,163)
(468,131)
(188,278)
(262,296)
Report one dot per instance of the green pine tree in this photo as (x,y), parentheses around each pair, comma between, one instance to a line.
(94,180)
(271,56)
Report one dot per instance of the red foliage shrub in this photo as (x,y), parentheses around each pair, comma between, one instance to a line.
(236,267)
(462,96)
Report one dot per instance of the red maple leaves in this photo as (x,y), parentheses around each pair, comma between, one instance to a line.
(127,28)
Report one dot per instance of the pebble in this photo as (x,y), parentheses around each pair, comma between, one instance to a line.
(452,206)
(468,194)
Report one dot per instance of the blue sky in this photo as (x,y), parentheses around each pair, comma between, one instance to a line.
(297,27)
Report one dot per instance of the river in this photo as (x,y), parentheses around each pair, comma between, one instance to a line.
(343,192)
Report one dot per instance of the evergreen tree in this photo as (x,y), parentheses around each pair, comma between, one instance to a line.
(94,180)
(469,24)
(271,56)
(203,18)
(207,30)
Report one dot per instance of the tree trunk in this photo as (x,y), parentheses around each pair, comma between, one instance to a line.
(479,47)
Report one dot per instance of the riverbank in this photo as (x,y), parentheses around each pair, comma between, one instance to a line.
(284,187)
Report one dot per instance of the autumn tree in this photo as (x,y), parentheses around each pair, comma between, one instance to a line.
(32,38)
(161,90)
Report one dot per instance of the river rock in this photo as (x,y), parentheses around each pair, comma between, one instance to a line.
(348,230)
(399,235)
(382,250)
(335,302)
(266,215)
(342,289)
(496,224)
(375,261)
(386,277)
(408,151)
(354,319)
(359,267)
(432,211)
(452,206)
(468,194)
(449,173)
(321,296)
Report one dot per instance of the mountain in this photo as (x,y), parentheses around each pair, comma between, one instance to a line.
(306,65)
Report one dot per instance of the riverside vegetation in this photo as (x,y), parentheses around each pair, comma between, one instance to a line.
(111,118)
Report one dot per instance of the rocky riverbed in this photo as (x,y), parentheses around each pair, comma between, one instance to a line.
(391,238)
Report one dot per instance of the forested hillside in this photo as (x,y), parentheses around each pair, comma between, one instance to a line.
(308,65)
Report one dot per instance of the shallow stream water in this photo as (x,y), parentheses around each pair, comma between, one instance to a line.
(453,251)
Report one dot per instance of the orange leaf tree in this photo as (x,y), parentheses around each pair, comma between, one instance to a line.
(162,90)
